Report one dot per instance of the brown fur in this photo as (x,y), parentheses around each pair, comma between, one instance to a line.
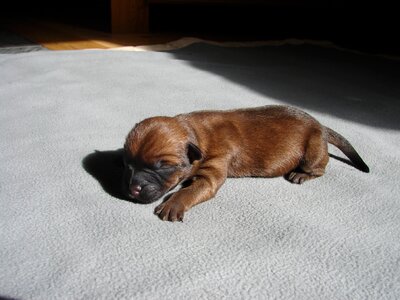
(267,141)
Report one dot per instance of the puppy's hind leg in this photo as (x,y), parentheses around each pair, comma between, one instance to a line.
(314,161)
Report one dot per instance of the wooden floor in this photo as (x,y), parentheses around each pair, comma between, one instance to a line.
(55,36)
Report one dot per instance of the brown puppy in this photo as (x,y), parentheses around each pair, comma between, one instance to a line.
(209,146)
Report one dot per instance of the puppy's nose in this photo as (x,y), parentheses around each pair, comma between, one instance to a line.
(135,190)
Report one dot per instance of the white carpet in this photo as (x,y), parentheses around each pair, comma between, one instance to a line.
(65,234)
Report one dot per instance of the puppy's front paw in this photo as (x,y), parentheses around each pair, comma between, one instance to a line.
(170,211)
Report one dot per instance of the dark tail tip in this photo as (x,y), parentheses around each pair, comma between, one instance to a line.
(360,164)
(364,168)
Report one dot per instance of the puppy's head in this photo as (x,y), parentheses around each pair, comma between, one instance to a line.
(159,153)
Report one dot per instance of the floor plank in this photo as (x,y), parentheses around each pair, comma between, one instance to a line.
(56,36)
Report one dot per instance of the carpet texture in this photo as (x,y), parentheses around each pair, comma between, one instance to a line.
(65,232)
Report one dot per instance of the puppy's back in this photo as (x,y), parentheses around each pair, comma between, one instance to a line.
(264,141)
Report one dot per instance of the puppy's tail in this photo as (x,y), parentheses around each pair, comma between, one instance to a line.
(344,145)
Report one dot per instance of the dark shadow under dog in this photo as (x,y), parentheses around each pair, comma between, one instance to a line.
(107,168)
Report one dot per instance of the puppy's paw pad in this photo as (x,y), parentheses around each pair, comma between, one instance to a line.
(169,211)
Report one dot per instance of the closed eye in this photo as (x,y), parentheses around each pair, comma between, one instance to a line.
(163,165)
(165,171)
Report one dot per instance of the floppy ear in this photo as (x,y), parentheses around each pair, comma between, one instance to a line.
(193,153)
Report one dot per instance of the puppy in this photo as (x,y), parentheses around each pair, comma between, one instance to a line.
(206,147)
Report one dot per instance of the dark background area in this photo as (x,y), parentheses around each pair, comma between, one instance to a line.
(368,27)
(94,14)
(372,29)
